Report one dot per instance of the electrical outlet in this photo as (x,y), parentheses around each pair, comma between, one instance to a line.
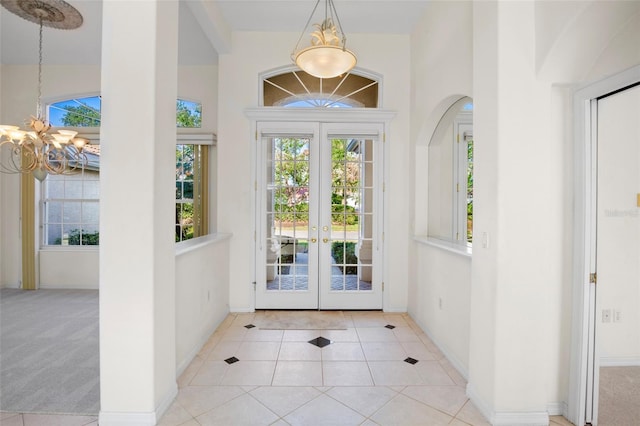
(617,316)
(606,315)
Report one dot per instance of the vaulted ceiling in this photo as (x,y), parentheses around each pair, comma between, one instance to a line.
(19,38)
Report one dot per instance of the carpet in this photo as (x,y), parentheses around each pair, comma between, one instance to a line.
(49,351)
(300,320)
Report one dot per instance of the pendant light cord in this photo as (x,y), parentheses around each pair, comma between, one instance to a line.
(39,105)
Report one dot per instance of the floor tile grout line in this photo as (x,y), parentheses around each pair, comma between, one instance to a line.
(453,416)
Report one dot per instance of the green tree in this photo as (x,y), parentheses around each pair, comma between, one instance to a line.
(291,180)
(188,114)
(81,116)
(291,177)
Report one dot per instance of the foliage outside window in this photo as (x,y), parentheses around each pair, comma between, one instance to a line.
(191,191)
(463,175)
(86,112)
(188,114)
(292,180)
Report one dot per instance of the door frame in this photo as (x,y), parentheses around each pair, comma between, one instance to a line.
(326,115)
(582,404)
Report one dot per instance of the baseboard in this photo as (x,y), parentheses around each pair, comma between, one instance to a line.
(557,408)
(479,402)
(106,418)
(166,401)
(241,310)
(458,365)
(111,418)
(535,418)
(624,361)
(395,310)
(196,349)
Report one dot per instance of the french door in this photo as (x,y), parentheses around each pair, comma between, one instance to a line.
(318,198)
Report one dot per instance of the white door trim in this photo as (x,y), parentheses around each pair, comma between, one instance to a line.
(584,365)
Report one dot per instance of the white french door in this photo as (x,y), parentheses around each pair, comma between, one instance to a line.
(318,198)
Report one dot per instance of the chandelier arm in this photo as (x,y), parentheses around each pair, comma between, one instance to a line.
(305,27)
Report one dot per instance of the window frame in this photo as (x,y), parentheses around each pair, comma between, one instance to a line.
(200,190)
(94,139)
(463,127)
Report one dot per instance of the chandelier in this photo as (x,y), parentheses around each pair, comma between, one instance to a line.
(37,149)
(327,57)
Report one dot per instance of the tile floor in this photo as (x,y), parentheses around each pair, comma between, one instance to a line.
(366,375)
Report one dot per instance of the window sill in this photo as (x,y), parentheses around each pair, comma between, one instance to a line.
(184,247)
(73,248)
(459,249)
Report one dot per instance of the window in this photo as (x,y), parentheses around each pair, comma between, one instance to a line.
(301,90)
(192,199)
(70,206)
(450,186)
(463,171)
(188,114)
(70,203)
(76,112)
(86,112)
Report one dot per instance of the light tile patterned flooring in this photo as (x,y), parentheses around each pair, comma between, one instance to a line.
(361,378)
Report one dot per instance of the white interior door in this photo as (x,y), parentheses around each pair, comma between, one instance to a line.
(617,319)
(318,196)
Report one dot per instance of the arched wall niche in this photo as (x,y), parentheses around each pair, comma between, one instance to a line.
(427,134)
(443,169)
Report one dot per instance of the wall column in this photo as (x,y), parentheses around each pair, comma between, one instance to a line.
(137,262)
(515,269)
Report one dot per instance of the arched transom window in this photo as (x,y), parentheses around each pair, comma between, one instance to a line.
(299,89)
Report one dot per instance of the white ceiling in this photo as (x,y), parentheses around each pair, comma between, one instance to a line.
(19,38)
(356,16)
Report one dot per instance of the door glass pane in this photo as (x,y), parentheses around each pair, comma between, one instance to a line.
(287,210)
(351,214)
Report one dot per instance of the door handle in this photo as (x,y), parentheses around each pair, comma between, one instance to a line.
(325,240)
(313,240)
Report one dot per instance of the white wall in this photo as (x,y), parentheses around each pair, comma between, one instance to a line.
(441,74)
(519,55)
(74,269)
(202,293)
(442,298)
(254,53)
